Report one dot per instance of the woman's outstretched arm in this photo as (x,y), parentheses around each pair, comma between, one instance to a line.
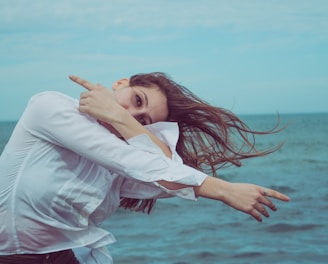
(248,198)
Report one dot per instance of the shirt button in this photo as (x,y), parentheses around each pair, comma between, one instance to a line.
(84,215)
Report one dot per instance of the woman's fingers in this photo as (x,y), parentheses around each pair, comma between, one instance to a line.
(256,215)
(274,194)
(262,201)
(267,202)
(252,199)
(259,208)
(88,85)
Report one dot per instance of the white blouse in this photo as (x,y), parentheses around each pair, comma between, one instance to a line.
(62,174)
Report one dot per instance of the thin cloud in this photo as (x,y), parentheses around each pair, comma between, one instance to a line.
(239,15)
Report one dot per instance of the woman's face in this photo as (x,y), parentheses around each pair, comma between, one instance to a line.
(146,104)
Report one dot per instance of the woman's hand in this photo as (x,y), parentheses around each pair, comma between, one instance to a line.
(253,199)
(248,198)
(99,102)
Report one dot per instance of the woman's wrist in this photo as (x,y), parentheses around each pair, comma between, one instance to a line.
(115,116)
(212,188)
(126,124)
(128,127)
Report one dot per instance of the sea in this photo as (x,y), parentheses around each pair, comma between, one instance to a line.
(208,231)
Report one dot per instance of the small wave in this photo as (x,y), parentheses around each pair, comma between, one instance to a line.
(205,257)
(205,254)
(314,161)
(248,255)
(283,228)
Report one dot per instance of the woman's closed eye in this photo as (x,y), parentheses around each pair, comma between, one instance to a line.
(142,121)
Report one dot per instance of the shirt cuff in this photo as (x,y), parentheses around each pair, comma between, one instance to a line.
(185,193)
(168,132)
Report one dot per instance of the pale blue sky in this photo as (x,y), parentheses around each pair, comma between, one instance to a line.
(252,57)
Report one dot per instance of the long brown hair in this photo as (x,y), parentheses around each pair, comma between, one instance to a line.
(209,137)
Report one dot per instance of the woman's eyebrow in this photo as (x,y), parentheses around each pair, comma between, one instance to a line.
(145,95)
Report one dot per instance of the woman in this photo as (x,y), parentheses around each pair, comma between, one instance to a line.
(62,173)
(209,137)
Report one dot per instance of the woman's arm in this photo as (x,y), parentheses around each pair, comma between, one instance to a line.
(248,198)
(101,103)
(54,118)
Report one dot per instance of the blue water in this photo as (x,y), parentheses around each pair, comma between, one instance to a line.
(181,232)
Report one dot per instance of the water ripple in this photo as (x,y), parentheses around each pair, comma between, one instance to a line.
(282,228)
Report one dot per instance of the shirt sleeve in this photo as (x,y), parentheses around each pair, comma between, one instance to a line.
(54,117)
(132,188)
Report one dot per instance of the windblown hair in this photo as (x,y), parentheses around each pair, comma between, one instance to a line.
(209,137)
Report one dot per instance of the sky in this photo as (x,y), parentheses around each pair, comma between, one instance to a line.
(251,57)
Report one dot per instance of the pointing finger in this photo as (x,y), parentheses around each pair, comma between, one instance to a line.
(88,85)
(275,194)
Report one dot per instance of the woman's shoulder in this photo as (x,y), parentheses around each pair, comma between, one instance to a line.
(50,95)
(48,105)
(51,100)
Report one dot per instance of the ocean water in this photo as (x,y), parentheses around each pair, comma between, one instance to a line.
(206,231)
